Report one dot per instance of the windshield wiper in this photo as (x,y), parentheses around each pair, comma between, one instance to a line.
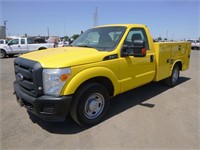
(86,46)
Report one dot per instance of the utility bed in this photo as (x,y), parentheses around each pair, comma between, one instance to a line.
(167,53)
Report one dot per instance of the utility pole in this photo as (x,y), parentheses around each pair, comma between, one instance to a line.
(48,31)
(5,27)
(5,24)
(167,35)
(95,17)
(64,29)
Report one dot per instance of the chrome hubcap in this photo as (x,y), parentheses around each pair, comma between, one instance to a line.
(94,106)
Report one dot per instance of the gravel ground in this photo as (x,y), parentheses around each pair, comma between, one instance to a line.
(150,117)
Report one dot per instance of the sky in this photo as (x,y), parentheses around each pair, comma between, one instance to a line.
(172,19)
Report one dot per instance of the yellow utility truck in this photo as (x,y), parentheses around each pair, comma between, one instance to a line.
(103,62)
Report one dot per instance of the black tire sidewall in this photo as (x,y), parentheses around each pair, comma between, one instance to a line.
(176,67)
(11,55)
(169,81)
(4,54)
(79,104)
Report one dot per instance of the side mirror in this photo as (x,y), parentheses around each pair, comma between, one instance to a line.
(126,51)
(137,50)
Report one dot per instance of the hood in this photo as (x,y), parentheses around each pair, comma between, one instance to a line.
(65,56)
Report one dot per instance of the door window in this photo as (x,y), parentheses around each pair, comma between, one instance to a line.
(22,41)
(30,41)
(136,34)
(14,42)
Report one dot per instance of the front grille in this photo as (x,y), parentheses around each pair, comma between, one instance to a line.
(29,76)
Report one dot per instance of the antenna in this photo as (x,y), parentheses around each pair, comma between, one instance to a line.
(95,17)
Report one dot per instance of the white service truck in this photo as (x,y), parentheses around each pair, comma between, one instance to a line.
(21,46)
(3,42)
(195,44)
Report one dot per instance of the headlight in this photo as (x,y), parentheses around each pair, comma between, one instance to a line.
(54,80)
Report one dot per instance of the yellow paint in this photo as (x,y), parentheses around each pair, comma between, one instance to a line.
(125,73)
(168,54)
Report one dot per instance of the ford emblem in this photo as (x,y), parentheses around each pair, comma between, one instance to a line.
(19,77)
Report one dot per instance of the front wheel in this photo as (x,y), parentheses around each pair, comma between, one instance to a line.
(3,54)
(90,104)
(173,79)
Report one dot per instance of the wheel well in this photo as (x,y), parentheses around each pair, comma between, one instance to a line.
(179,63)
(3,50)
(103,81)
(42,48)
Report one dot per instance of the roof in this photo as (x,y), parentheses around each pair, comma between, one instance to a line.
(125,25)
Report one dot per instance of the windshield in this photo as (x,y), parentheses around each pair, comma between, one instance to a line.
(102,39)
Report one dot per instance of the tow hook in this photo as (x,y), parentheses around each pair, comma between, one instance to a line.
(20,102)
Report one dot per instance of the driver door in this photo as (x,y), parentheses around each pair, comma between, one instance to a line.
(14,46)
(137,71)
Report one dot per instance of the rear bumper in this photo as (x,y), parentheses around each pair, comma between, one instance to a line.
(46,107)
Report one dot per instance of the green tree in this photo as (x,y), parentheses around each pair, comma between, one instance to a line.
(75,36)
(159,38)
(66,38)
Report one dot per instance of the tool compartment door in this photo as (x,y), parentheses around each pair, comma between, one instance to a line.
(187,57)
(163,60)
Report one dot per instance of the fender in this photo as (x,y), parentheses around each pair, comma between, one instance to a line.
(72,85)
(7,51)
(175,62)
(2,49)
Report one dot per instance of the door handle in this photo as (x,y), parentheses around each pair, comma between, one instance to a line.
(151,58)
(18,45)
(179,47)
(168,60)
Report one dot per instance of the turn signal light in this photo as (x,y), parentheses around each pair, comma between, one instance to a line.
(64,77)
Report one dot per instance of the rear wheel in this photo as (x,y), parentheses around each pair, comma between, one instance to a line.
(173,79)
(3,54)
(42,48)
(11,55)
(90,104)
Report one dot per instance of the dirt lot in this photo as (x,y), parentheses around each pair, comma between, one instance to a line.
(149,117)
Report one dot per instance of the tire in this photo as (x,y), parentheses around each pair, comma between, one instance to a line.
(3,54)
(11,55)
(173,79)
(42,48)
(90,104)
